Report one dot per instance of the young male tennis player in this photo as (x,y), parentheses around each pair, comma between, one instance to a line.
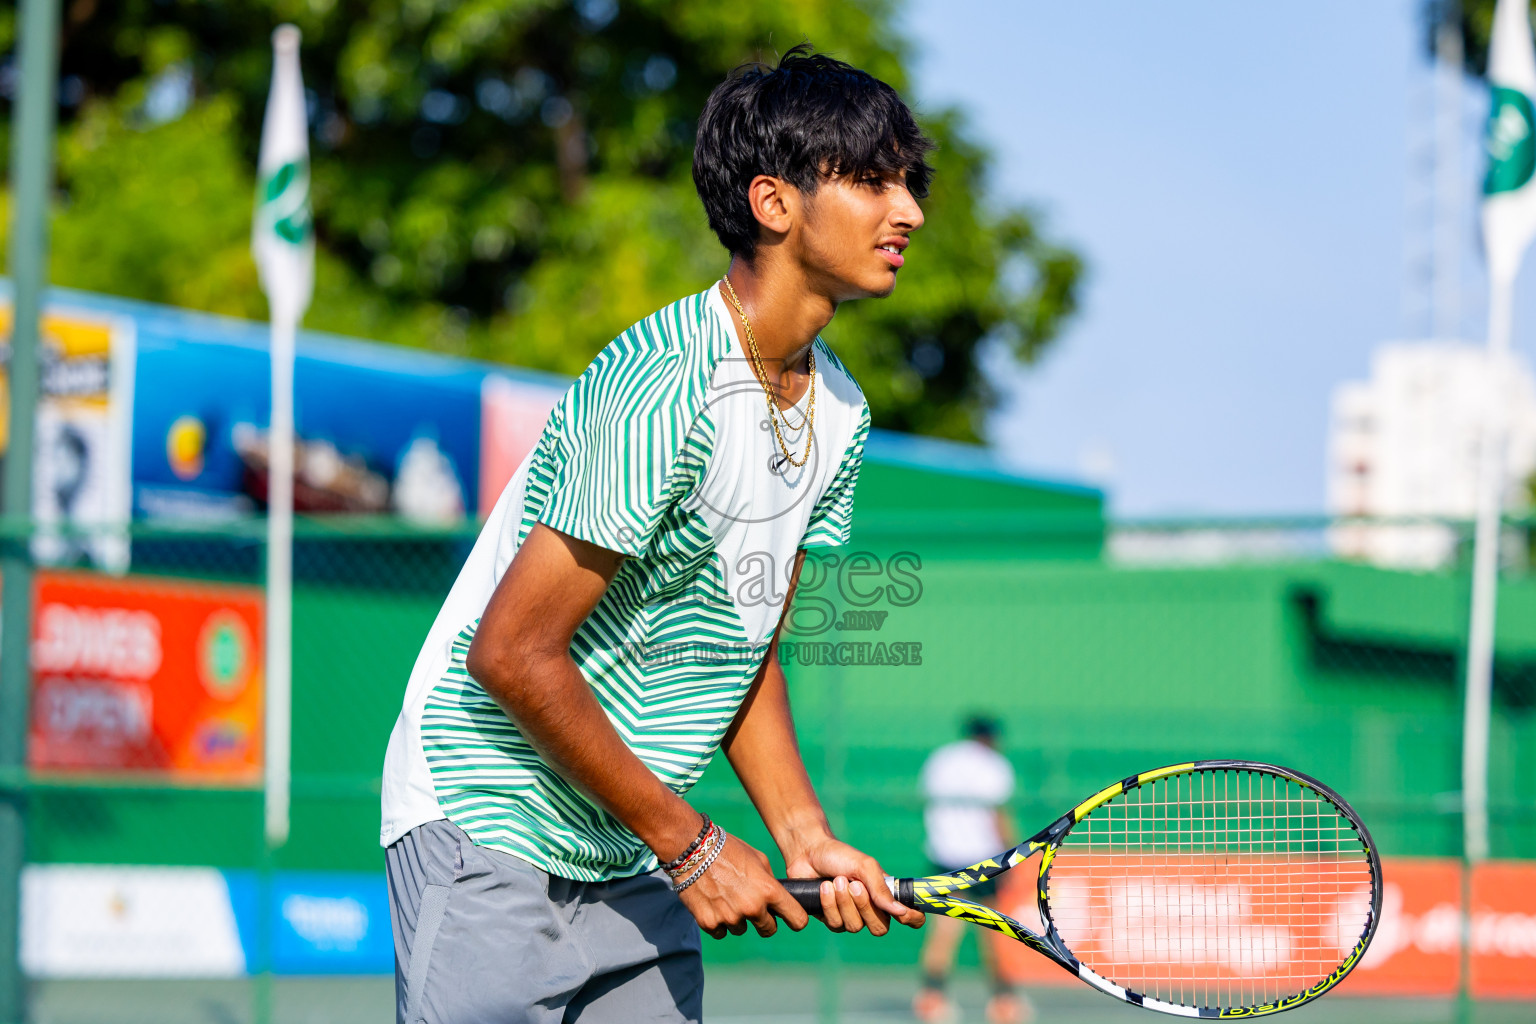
(615,622)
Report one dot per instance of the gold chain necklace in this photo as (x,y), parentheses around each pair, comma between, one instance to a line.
(762,378)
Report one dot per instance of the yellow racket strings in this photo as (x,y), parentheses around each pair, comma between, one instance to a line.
(1215,888)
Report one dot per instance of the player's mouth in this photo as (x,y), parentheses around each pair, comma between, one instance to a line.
(891,249)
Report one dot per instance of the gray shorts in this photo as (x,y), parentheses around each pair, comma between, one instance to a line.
(482,937)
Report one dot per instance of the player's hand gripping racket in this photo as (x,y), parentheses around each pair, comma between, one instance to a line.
(1208,889)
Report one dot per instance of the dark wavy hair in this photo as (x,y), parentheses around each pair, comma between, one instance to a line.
(808,118)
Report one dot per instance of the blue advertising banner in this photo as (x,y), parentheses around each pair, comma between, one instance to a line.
(380,428)
(320,922)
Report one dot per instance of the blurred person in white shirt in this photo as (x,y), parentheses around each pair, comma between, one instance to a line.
(966,785)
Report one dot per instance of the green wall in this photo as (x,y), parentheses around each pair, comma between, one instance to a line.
(1098,671)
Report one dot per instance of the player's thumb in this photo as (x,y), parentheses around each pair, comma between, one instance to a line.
(885,899)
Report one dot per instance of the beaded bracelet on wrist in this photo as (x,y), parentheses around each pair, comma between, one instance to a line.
(692,860)
(707,854)
(698,841)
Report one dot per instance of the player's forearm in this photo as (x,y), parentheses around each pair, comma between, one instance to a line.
(553,707)
(762,748)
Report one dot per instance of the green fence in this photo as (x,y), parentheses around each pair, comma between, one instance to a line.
(1251,642)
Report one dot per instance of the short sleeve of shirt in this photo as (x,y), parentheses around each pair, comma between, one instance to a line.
(831,523)
(615,446)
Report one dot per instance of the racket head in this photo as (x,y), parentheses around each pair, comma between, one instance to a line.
(1217,888)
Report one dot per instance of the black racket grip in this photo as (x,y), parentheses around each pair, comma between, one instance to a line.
(807,891)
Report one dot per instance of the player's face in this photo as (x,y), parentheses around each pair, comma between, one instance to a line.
(854,232)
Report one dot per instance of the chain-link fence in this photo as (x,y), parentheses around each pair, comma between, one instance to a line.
(150,893)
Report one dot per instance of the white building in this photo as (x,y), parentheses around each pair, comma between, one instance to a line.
(1405,444)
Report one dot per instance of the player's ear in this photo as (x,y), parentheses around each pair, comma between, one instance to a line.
(775,203)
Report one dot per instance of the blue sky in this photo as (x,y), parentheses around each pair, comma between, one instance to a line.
(1234,174)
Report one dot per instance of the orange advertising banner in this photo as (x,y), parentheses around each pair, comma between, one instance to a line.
(1504,930)
(132,674)
(1416,950)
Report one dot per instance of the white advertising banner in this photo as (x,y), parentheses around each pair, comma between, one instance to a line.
(84,921)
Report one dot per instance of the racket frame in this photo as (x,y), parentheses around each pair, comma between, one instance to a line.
(936,894)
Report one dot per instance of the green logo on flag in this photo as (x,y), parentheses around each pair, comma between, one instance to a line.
(1511,141)
(286,193)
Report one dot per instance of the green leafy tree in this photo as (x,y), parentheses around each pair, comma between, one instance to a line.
(507,179)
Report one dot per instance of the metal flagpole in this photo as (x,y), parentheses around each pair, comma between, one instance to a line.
(1485,577)
(31,170)
(279,581)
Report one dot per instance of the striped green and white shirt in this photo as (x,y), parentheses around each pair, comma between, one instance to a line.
(661,450)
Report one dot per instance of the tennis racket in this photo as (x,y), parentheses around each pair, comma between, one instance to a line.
(1208,889)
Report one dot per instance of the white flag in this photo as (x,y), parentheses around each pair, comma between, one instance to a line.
(282,237)
(1509,194)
